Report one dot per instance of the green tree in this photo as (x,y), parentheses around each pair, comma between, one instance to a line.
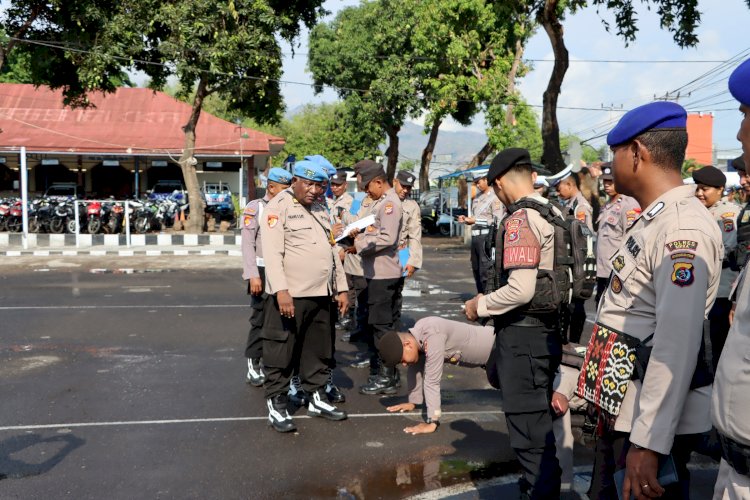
(225,47)
(522,131)
(680,17)
(366,53)
(45,43)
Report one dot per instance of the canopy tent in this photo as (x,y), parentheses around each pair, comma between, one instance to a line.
(483,169)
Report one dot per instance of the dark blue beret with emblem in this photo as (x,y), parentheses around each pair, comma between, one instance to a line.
(659,115)
(739,83)
(505,160)
(311,171)
(405,178)
(279,175)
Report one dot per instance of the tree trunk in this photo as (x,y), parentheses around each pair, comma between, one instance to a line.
(424,168)
(487,149)
(552,156)
(392,151)
(187,163)
(4,51)
(482,155)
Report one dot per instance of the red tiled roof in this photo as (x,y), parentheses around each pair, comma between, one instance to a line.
(128,121)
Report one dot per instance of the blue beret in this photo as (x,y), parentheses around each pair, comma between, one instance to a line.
(655,115)
(323,162)
(739,83)
(311,171)
(279,175)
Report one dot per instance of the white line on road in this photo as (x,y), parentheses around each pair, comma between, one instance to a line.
(222,419)
(148,286)
(149,306)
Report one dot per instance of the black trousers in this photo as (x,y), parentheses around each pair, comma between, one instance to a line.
(383,301)
(601,287)
(302,342)
(612,450)
(480,263)
(718,319)
(253,348)
(358,296)
(574,319)
(527,359)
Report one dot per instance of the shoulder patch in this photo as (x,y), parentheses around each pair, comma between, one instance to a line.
(727,215)
(632,215)
(728,225)
(272,220)
(247,219)
(521,247)
(618,263)
(683,255)
(250,210)
(682,275)
(676,245)
(581,215)
(633,247)
(616,284)
(388,208)
(745,217)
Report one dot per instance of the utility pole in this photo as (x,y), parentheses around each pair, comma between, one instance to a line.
(611,108)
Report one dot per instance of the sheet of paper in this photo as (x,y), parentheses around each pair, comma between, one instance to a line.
(358,225)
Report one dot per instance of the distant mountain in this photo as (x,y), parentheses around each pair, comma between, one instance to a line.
(452,149)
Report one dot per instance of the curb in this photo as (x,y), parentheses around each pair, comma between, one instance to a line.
(112,240)
(119,253)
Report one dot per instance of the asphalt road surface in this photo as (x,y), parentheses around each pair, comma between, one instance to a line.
(123,378)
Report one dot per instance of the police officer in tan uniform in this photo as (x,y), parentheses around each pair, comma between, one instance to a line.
(743,220)
(665,279)
(302,275)
(730,405)
(254,271)
(485,209)
(710,182)
(424,349)
(378,247)
(340,206)
(411,226)
(525,309)
(614,220)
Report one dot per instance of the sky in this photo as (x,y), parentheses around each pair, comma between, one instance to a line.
(610,87)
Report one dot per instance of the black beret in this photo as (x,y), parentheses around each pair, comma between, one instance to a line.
(338,178)
(362,164)
(710,176)
(405,178)
(739,164)
(506,159)
(390,348)
(370,172)
(607,172)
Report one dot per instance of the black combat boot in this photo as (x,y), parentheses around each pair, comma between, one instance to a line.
(297,395)
(384,383)
(333,393)
(319,407)
(278,417)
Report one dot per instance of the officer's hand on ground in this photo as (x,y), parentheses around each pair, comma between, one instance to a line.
(470,308)
(286,304)
(640,474)
(256,286)
(559,404)
(343,300)
(423,428)
(401,408)
(409,270)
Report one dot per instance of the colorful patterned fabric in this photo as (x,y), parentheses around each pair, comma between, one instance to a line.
(607,368)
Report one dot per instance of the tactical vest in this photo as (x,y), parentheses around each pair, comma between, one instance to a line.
(743,236)
(574,263)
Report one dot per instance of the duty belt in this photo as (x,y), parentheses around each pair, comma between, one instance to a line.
(480,231)
(529,320)
(736,454)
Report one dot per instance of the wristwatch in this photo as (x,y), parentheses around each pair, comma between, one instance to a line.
(436,422)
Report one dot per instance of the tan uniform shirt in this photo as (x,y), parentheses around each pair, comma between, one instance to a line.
(730,405)
(340,207)
(581,209)
(485,207)
(352,261)
(665,280)
(411,232)
(297,249)
(725,214)
(529,246)
(444,340)
(614,220)
(378,245)
(252,250)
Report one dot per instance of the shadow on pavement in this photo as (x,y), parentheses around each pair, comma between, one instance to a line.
(19,454)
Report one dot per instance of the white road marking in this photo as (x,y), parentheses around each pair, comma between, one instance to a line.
(149,286)
(150,306)
(223,419)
